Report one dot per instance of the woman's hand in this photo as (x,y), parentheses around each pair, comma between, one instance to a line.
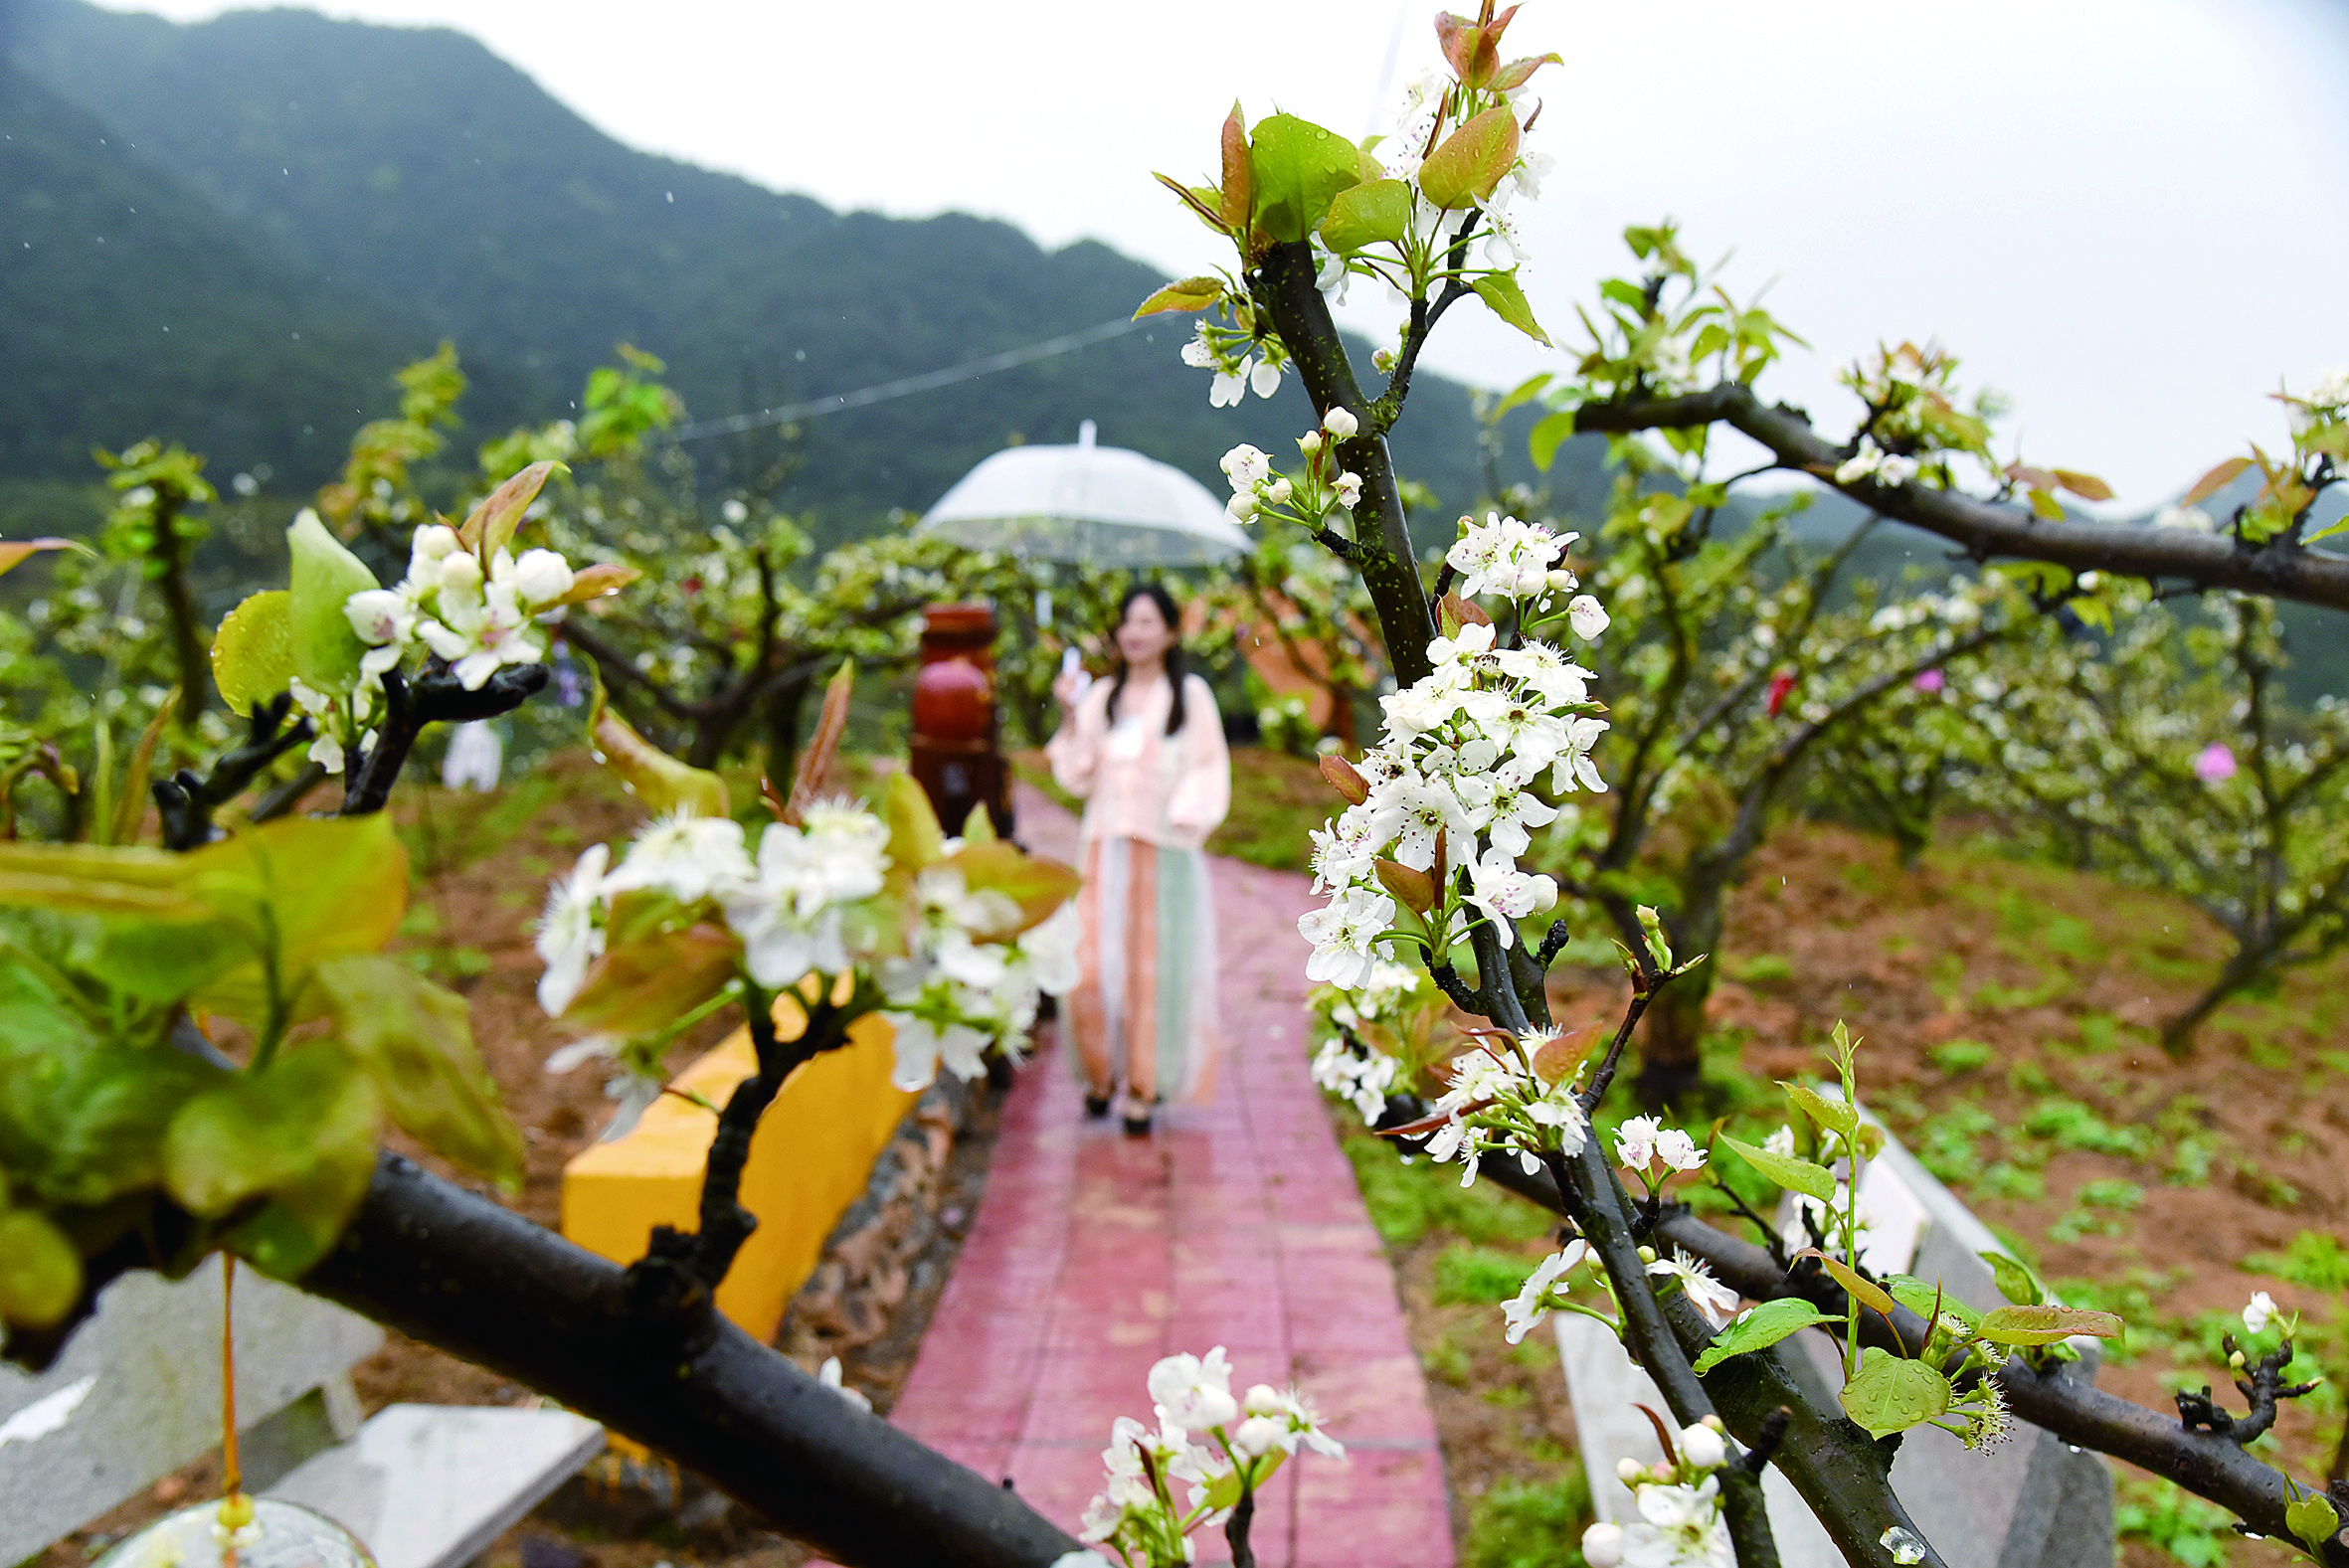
(1070,686)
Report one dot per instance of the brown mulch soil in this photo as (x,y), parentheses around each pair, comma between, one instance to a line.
(2054,1113)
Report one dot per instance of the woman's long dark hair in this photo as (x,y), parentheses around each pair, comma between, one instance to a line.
(1166,604)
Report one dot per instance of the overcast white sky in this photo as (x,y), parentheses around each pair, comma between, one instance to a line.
(2124,214)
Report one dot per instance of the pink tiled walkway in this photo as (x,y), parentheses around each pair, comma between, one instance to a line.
(1238,1224)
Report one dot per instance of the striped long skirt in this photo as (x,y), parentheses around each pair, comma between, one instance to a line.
(1144,1012)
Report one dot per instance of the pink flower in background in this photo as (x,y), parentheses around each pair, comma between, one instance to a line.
(1930,681)
(2215,765)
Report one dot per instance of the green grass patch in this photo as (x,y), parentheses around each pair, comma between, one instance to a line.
(1479,1276)
(2315,1259)
(1276,801)
(1763,968)
(2195,1532)
(1957,1057)
(2071,1124)
(1531,1524)
(1409,1201)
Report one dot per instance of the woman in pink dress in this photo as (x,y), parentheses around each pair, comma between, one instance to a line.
(1146,749)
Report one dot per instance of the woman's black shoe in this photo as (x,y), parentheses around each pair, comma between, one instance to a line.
(1137,1126)
(1096,1107)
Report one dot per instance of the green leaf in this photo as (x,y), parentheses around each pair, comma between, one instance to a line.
(2045,1324)
(1524,392)
(2043,506)
(490,526)
(1889,1395)
(649,773)
(2314,1520)
(2339,524)
(1297,169)
(326,650)
(299,890)
(253,652)
(1366,213)
(1837,1115)
(1861,1289)
(641,988)
(1549,435)
(120,881)
(1464,168)
(1790,1171)
(1186,293)
(417,1041)
(2017,1282)
(1500,294)
(266,1132)
(1760,1328)
(914,839)
(1918,1296)
(39,1272)
(1039,886)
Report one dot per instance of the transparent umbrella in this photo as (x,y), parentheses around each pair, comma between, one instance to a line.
(1095,505)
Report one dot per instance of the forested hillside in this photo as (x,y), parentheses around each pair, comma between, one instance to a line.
(406,184)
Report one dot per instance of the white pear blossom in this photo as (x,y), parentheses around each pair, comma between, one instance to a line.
(1714,1300)
(1246,468)
(1198,353)
(1229,386)
(541,576)
(1361,1079)
(2259,1312)
(924,1045)
(829,1376)
(570,931)
(687,856)
(1506,894)
(1348,487)
(1539,1299)
(1587,619)
(1193,1392)
(1344,935)
(1602,1544)
(1340,422)
(1679,1526)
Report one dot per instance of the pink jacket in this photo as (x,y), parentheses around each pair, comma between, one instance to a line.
(1137,780)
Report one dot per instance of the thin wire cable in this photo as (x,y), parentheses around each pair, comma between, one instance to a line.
(905,386)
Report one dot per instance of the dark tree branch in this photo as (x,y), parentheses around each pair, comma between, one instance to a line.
(436,698)
(435,1262)
(185,801)
(2280,568)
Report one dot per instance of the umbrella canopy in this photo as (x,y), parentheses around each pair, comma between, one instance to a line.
(1097,505)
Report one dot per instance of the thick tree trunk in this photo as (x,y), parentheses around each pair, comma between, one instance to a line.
(2178,1031)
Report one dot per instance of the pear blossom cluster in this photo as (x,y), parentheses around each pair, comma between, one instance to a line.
(957,972)
(1218,1445)
(1643,1143)
(1258,489)
(1500,1101)
(1453,776)
(1677,1515)
(1871,462)
(1361,1077)
(1241,362)
(475,618)
(1514,560)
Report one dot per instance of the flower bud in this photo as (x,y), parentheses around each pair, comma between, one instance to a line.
(1702,1446)
(541,576)
(1280,492)
(1262,1400)
(1256,1435)
(1630,1470)
(1603,1545)
(1215,1408)
(1310,443)
(1340,422)
(1563,581)
(460,575)
(1647,1255)
(2235,1361)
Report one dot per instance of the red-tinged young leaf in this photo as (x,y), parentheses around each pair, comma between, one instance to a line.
(2084,485)
(1190,199)
(1518,73)
(1503,296)
(1456,35)
(2213,482)
(1186,293)
(2036,1325)
(599,581)
(1345,780)
(490,525)
(823,747)
(1414,890)
(13,552)
(1239,193)
(1462,172)
(1453,613)
(644,986)
(2025,475)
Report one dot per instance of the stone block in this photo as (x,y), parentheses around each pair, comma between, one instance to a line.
(136,1395)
